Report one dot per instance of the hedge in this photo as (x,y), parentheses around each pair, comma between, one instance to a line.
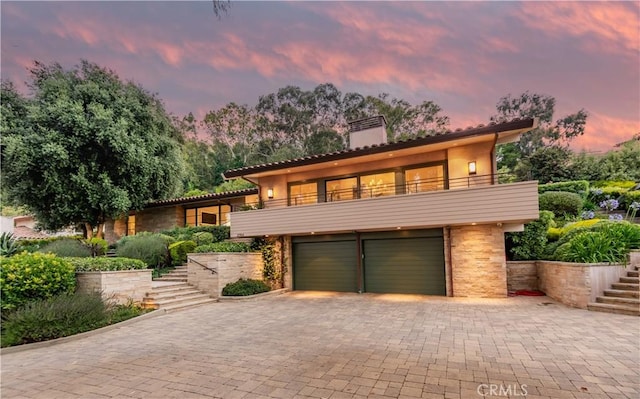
(561,203)
(106,264)
(246,287)
(27,277)
(179,250)
(151,249)
(580,187)
(224,246)
(220,233)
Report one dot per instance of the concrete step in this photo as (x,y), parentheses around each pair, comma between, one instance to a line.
(625,286)
(179,274)
(611,308)
(157,296)
(170,287)
(169,278)
(190,304)
(633,274)
(618,300)
(180,300)
(632,280)
(622,293)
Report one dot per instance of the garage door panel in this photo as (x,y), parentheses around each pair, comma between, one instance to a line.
(405,265)
(325,266)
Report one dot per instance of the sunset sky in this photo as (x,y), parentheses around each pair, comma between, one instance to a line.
(462,55)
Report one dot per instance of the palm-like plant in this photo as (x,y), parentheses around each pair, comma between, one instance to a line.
(8,245)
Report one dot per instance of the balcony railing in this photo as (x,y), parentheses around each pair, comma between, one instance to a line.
(381,190)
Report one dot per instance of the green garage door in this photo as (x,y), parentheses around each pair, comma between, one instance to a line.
(405,265)
(325,265)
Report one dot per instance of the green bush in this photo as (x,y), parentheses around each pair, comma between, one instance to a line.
(628,184)
(220,233)
(561,203)
(68,247)
(597,195)
(97,246)
(8,245)
(591,247)
(629,198)
(580,187)
(61,316)
(27,277)
(555,233)
(551,248)
(244,287)
(151,249)
(106,264)
(224,246)
(179,250)
(530,243)
(626,235)
(203,238)
(36,244)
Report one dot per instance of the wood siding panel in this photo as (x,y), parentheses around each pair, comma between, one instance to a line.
(513,203)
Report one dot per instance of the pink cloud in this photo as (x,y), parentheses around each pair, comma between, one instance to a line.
(603,132)
(615,25)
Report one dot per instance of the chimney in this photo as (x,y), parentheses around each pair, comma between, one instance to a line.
(367,131)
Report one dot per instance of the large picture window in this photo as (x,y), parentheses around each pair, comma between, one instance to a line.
(377,185)
(342,189)
(428,178)
(216,215)
(303,193)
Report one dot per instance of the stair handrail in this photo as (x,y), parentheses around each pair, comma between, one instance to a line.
(213,271)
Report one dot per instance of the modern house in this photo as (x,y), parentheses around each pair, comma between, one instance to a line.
(202,210)
(419,216)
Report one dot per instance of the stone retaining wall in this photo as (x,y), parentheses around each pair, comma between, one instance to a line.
(229,267)
(522,275)
(119,286)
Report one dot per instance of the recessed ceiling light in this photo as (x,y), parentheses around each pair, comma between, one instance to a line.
(335,163)
(313,232)
(398,228)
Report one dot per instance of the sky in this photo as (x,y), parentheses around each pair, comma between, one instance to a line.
(464,56)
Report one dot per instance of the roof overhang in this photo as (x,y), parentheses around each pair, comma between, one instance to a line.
(499,132)
(200,199)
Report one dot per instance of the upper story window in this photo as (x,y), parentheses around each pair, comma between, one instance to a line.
(303,193)
(342,189)
(428,178)
(377,185)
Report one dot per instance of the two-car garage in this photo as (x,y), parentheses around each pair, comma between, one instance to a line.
(407,262)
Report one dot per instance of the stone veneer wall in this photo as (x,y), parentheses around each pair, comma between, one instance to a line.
(120,286)
(522,275)
(577,284)
(158,219)
(478,265)
(115,229)
(229,267)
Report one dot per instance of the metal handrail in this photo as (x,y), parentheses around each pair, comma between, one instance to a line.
(382,190)
(213,271)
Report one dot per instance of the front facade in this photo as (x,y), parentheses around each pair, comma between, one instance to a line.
(203,210)
(422,216)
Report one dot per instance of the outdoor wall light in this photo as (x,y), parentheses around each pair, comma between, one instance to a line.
(270,193)
(472,168)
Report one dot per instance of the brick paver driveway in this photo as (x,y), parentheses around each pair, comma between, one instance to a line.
(344,346)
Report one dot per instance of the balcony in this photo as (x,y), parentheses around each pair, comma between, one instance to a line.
(402,208)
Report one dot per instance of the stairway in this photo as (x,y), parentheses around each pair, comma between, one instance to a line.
(171,292)
(622,298)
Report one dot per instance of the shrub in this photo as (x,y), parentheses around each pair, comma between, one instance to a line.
(8,245)
(530,243)
(26,277)
(151,249)
(580,187)
(97,246)
(628,184)
(626,235)
(36,244)
(220,233)
(106,264)
(555,233)
(68,247)
(179,250)
(629,198)
(62,316)
(561,203)
(224,246)
(54,317)
(244,287)
(203,238)
(590,247)
(550,250)
(597,195)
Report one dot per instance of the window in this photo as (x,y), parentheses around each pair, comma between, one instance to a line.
(377,185)
(342,189)
(191,217)
(428,178)
(303,193)
(224,214)
(207,216)
(131,225)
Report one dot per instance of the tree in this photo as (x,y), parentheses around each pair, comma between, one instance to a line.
(548,133)
(92,147)
(547,164)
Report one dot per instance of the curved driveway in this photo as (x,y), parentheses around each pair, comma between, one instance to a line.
(344,346)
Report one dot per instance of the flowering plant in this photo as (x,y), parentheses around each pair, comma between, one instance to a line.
(610,204)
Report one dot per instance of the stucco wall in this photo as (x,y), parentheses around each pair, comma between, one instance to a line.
(577,284)
(478,266)
(119,286)
(229,267)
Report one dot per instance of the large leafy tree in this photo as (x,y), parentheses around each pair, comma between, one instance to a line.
(558,133)
(89,147)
